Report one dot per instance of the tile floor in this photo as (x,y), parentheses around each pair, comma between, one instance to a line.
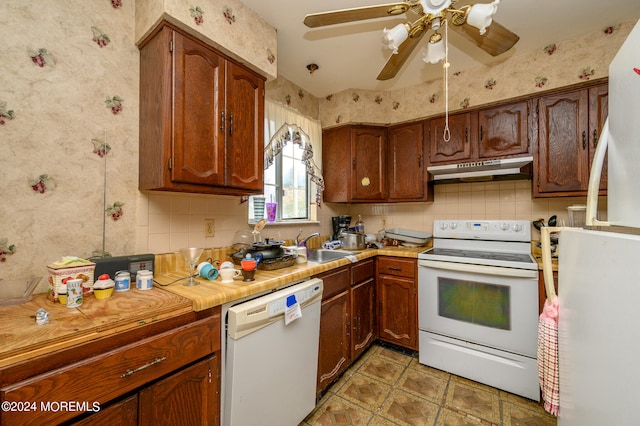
(387,387)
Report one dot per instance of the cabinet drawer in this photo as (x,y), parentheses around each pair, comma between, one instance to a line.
(362,271)
(397,266)
(334,282)
(106,376)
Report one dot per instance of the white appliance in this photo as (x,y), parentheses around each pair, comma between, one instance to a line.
(478,303)
(271,366)
(598,285)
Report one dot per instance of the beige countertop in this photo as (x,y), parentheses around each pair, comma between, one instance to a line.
(207,294)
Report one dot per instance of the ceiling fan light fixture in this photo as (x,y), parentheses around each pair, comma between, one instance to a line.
(434,6)
(481,15)
(434,52)
(394,37)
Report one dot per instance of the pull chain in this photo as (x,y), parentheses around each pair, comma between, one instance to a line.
(447,133)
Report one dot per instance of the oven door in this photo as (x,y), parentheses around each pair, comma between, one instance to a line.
(490,306)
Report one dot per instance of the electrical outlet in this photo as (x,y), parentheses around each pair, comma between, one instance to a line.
(384,222)
(209,228)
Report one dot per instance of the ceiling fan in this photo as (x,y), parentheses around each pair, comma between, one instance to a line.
(422,16)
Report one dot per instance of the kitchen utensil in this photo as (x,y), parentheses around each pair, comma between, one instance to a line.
(553,220)
(191,256)
(259,226)
(538,223)
(352,240)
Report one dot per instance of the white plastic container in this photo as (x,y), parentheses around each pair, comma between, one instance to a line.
(144,280)
(577,215)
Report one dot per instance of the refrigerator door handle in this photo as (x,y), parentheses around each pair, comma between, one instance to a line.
(594,178)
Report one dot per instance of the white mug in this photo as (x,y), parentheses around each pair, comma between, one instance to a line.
(227,275)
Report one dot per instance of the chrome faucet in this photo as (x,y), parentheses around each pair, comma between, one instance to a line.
(304,240)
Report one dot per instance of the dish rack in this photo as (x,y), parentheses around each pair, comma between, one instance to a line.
(408,238)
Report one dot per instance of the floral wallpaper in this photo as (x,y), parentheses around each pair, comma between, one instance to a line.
(69,88)
(556,65)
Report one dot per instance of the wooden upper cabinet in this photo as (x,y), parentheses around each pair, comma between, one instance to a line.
(569,125)
(458,147)
(406,163)
(198,87)
(353,163)
(244,128)
(201,118)
(368,163)
(503,130)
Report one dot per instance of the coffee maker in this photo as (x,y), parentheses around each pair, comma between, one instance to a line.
(339,224)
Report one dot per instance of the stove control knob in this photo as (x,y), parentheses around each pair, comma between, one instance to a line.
(443,226)
(517,227)
(504,226)
(453,225)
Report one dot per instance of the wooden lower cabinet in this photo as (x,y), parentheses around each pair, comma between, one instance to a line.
(334,353)
(161,373)
(347,322)
(188,397)
(397,301)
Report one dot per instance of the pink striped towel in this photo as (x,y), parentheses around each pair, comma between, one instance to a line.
(548,356)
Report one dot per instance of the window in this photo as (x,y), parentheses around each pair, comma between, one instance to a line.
(292,138)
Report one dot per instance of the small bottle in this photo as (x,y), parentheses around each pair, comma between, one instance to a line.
(360,225)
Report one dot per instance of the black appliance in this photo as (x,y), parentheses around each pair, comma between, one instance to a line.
(132,263)
(339,224)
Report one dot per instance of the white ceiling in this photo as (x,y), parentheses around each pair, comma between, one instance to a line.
(351,55)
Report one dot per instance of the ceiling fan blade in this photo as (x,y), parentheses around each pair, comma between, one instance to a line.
(356,14)
(397,60)
(495,41)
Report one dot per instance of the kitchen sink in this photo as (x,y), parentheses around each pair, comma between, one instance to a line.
(325,255)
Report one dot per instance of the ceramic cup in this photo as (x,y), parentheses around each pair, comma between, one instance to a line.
(207,270)
(248,264)
(248,274)
(227,275)
(225,265)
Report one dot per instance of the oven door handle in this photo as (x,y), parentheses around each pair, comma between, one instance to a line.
(479,269)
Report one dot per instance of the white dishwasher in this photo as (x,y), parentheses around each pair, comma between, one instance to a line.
(272,361)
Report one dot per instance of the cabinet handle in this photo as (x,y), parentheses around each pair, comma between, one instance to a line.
(231,123)
(595,138)
(584,139)
(466,135)
(222,121)
(394,268)
(420,160)
(147,365)
(353,163)
(481,132)
(348,328)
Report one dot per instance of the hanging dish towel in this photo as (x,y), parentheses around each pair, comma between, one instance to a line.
(548,356)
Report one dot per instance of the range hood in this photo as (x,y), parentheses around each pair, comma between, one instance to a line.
(474,171)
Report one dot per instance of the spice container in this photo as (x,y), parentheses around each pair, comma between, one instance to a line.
(144,280)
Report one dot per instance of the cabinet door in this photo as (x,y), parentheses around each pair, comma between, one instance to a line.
(367,157)
(458,147)
(598,112)
(189,397)
(563,157)
(406,169)
(198,97)
(122,413)
(362,315)
(397,311)
(334,353)
(244,128)
(336,164)
(503,131)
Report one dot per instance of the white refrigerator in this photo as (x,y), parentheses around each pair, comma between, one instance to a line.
(599,272)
